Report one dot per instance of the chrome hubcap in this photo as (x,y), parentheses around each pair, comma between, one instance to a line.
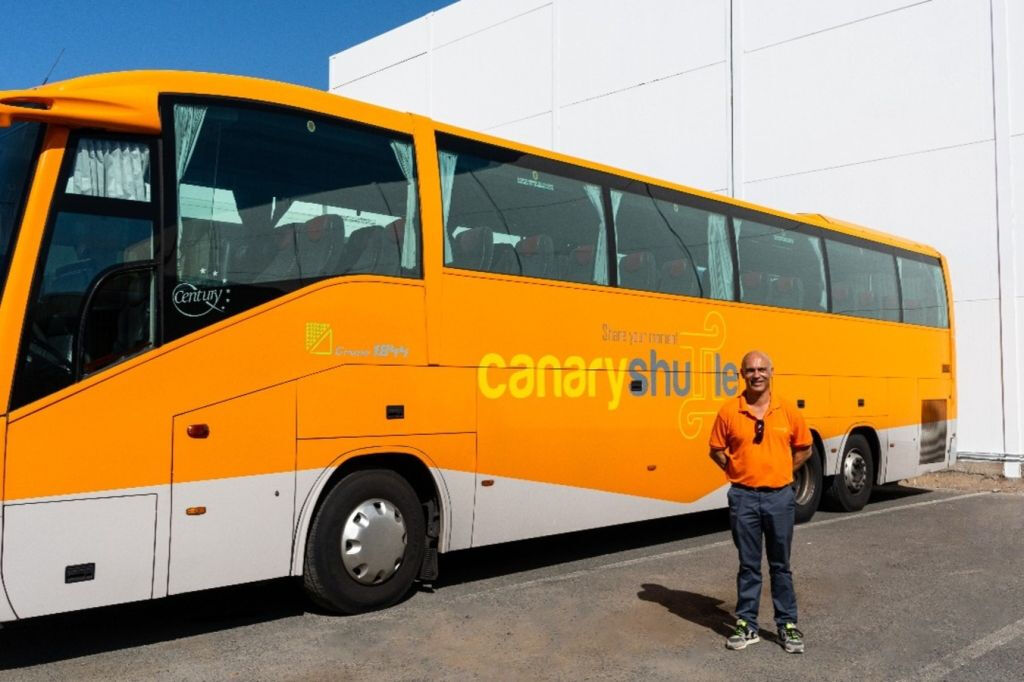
(373,541)
(854,471)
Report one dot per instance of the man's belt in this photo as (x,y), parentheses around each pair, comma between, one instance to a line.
(760,488)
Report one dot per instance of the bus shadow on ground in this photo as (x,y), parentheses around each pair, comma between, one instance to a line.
(48,639)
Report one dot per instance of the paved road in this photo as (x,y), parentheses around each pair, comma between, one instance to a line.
(921,585)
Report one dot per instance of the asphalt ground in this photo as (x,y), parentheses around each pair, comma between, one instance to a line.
(921,585)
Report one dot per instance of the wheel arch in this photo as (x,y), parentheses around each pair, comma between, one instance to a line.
(412,464)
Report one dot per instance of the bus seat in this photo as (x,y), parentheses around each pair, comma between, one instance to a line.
(579,264)
(282,264)
(638,271)
(788,292)
(891,303)
(537,255)
(473,249)
(840,297)
(319,243)
(866,302)
(361,251)
(678,277)
(505,260)
(753,287)
(389,261)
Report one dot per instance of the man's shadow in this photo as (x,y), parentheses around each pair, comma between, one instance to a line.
(696,608)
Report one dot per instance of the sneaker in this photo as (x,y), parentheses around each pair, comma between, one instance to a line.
(742,636)
(792,640)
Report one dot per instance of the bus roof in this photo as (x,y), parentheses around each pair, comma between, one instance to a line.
(128,101)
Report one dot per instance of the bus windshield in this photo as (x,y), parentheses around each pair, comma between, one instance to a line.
(17,150)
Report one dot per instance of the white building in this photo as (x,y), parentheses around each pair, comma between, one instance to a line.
(903,115)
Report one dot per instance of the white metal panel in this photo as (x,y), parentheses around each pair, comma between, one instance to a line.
(513,509)
(608,45)
(901,452)
(245,534)
(640,129)
(1017,203)
(1015,46)
(496,76)
(41,539)
(398,45)
(535,131)
(403,86)
(461,19)
(979,388)
(768,23)
(903,82)
(943,198)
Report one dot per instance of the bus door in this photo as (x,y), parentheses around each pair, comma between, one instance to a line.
(84,472)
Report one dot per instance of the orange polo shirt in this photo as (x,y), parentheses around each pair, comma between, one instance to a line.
(770,462)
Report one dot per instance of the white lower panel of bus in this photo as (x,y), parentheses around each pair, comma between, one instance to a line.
(231,530)
(514,509)
(75,554)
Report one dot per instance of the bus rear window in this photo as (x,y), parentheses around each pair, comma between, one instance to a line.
(18,145)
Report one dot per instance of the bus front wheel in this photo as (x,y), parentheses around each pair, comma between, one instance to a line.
(851,486)
(366,543)
(807,484)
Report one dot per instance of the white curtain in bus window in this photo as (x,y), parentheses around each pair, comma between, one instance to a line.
(111,169)
(505,216)
(403,154)
(446,162)
(924,293)
(863,281)
(599,275)
(780,267)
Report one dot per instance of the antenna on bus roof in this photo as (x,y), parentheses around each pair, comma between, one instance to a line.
(55,62)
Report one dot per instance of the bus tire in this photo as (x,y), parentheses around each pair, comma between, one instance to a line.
(851,486)
(807,487)
(366,543)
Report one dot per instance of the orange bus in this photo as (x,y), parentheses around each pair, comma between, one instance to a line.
(254,330)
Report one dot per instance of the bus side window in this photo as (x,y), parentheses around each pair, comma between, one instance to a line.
(272,200)
(780,267)
(503,214)
(665,245)
(924,293)
(863,281)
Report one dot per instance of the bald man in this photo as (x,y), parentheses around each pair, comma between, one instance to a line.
(759,440)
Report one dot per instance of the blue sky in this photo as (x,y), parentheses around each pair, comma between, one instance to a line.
(287,40)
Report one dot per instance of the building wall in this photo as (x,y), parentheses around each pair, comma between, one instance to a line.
(903,115)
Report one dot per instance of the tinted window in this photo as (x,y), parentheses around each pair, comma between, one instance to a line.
(667,246)
(81,249)
(503,214)
(863,281)
(269,201)
(924,293)
(780,267)
(17,150)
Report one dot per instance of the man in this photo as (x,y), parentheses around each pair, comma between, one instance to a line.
(759,441)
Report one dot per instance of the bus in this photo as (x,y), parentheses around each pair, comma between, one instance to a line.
(252,330)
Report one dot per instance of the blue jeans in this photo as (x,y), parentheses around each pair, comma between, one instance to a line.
(753,514)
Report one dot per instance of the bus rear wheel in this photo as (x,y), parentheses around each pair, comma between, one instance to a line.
(852,485)
(807,485)
(366,544)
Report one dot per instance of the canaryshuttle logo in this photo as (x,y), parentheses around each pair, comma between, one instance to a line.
(191,301)
(685,367)
(575,377)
